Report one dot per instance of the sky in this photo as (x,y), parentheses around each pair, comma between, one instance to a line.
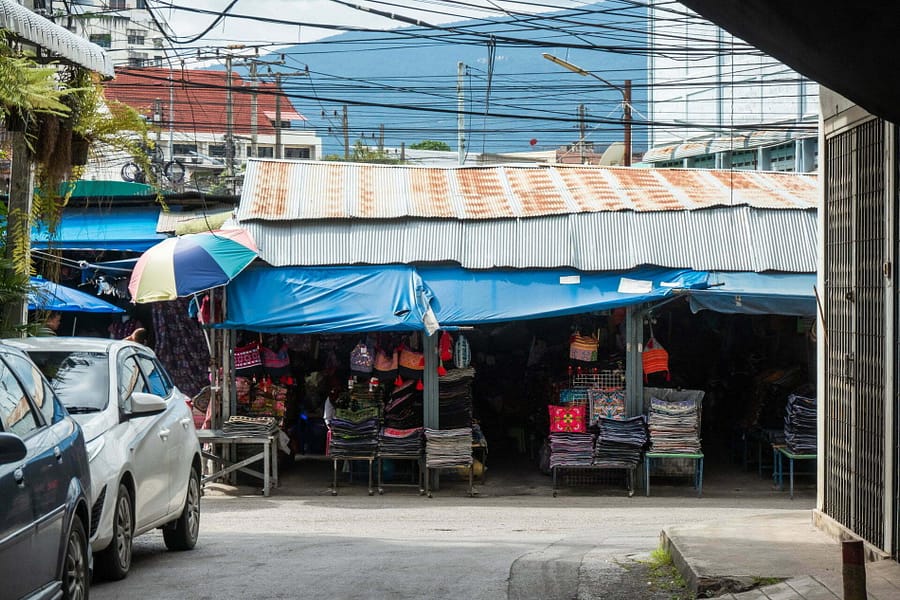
(234,29)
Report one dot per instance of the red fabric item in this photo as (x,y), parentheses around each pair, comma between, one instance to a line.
(419,385)
(441,370)
(446,346)
(399,381)
(567,418)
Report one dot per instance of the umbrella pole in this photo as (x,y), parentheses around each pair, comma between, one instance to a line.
(74,323)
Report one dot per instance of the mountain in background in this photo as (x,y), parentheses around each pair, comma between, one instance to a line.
(397,70)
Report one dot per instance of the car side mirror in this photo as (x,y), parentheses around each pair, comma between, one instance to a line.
(146,404)
(12,448)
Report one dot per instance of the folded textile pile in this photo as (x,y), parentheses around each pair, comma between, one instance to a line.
(620,442)
(675,426)
(800,425)
(448,447)
(455,398)
(571,449)
(349,439)
(249,426)
(400,442)
(404,408)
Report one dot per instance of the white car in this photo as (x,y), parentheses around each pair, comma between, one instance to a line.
(141,442)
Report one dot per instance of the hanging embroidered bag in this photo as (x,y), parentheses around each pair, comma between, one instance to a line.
(385,366)
(276,363)
(583,348)
(361,360)
(247,359)
(411,363)
(655,359)
(462,355)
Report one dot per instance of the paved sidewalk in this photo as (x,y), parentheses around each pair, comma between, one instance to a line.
(727,557)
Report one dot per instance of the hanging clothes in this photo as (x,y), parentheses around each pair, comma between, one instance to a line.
(180,345)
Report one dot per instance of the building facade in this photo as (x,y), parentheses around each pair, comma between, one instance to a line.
(720,103)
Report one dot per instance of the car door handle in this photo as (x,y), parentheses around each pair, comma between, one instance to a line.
(19,476)
(58,454)
(185,422)
(164,434)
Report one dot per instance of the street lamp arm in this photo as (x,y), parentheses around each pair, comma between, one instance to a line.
(583,72)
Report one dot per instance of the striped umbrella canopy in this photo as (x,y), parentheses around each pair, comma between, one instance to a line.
(187,264)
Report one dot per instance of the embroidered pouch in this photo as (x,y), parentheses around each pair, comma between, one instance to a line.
(567,418)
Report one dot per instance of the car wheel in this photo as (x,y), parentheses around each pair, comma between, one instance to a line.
(113,562)
(183,534)
(75,568)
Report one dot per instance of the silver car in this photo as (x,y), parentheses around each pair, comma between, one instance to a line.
(141,442)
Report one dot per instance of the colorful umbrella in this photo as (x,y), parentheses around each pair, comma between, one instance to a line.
(191,263)
(47,295)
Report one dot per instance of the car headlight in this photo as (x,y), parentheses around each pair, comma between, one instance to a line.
(94,447)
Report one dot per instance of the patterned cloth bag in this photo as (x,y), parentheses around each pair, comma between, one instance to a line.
(386,365)
(462,354)
(276,362)
(361,360)
(655,359)
(248,359)
(583,348)
(411,363)
(609,405)
(567,418)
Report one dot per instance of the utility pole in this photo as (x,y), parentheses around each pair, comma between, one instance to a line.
(460,115)
(229,124)
(278,149)
(626,93)
(172,115)
(581,131)
(381,138)
(254,108)
(345,122)
(157,120)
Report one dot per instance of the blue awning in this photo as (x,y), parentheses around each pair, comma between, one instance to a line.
(328,299)
(107,228)
(471,297)
(758,294)
(47,295)
(394,298)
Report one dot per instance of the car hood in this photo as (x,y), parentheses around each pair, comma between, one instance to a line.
(94,425)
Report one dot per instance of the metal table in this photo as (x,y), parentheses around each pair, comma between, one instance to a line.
(370,458)
(782,452)
(268,454)
(698,469)
(606,466)
(420,463)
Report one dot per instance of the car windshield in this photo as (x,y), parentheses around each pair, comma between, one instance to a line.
(80,379)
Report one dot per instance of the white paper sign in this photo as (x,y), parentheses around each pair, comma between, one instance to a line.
(570,280)
(635,286)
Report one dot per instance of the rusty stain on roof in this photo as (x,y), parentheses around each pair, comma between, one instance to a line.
(303,190)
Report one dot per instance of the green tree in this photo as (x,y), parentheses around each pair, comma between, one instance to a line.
(362,153)
(430,145)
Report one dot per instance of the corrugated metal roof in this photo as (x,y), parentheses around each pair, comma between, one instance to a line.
(304,190)
(50,36)
(739,238)
(689,148)
(172,221)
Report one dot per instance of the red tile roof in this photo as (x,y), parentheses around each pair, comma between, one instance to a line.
(199,99)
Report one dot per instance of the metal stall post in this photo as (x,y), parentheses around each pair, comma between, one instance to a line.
(634,346)
(431,398)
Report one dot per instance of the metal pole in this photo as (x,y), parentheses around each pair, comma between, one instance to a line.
(278,149)
(460,114)
(581,131)
(254,108)
(345,122)
(626,93)
(229,122)
(171,117)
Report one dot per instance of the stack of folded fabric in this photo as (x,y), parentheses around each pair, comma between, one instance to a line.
(404,408)
(674,426)
(620,442)
(455,398)
(570,449)
(351,440)
(249,426)
(448,447)
(800,425)
(400,442)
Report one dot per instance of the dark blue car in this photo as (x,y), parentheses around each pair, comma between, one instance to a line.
(44,484)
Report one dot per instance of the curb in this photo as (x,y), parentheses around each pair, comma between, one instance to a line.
(703,586)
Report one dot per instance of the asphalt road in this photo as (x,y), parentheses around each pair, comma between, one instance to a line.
(401,545)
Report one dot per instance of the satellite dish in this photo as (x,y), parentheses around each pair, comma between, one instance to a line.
(613,155)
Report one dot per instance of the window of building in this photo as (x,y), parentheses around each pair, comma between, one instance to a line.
(184,149)
(296,153)
(744,160)
(669,164)
(707,161)
(140,4)
(284,124)
(217,150)
(117,4)
(104,40)
(136,37)
(265,152)
(135,62)
(783,157)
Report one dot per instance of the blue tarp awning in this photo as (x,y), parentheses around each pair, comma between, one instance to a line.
(93,228)
(393,298)
(327,299)
(464,297)
(758,294)
(48,295)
